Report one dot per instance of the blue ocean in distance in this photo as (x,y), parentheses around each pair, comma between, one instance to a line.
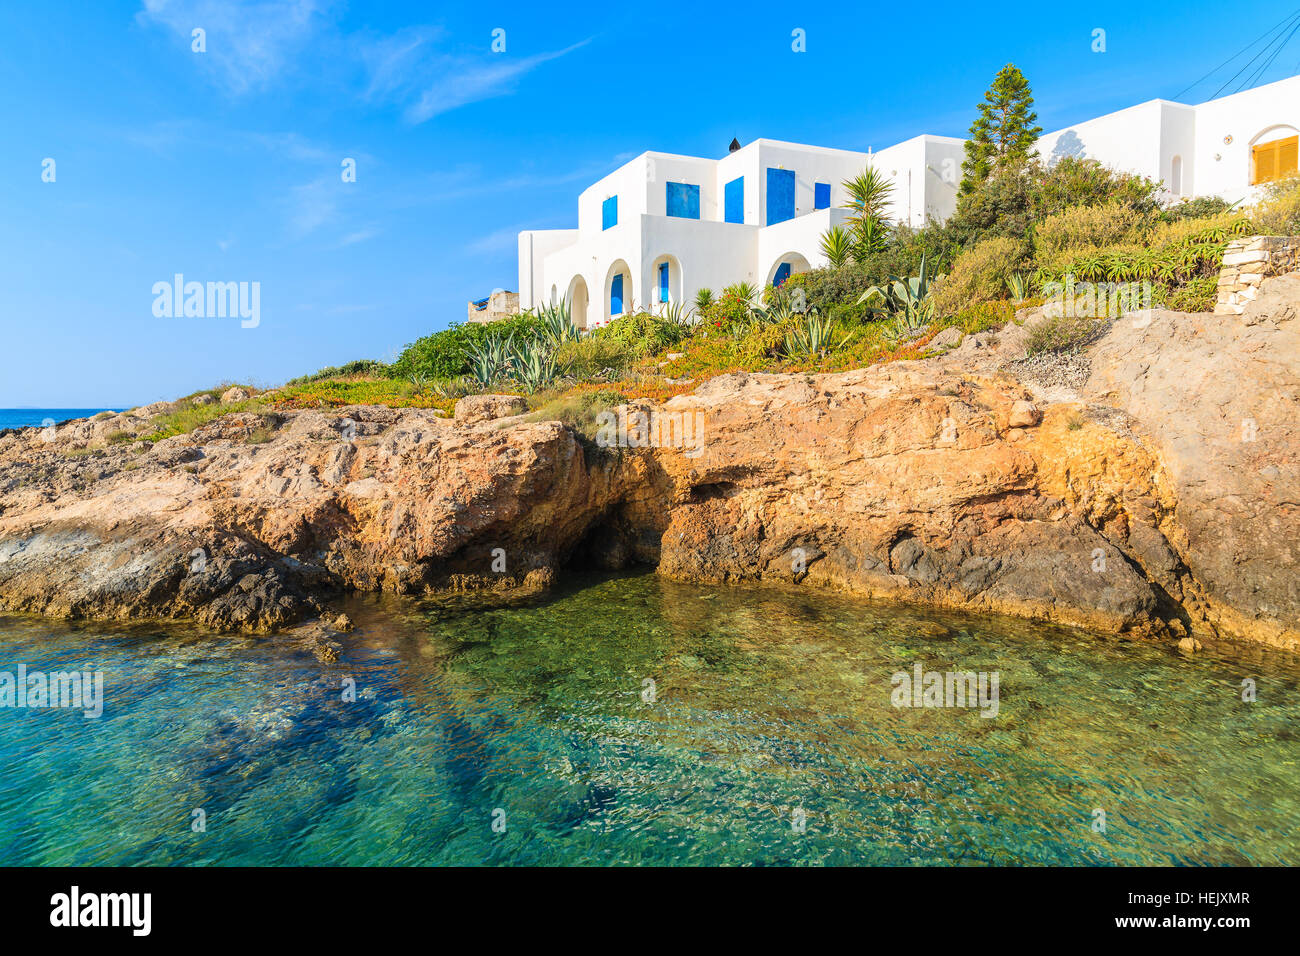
(22,417)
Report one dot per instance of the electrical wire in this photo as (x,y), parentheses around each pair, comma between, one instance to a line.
(1281,23)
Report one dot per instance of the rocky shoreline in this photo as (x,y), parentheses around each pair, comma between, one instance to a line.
(1149,487)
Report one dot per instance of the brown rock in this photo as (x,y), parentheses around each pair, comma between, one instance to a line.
(1023,415)
(482,408)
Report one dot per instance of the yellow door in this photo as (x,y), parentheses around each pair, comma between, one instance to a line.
(1274,160)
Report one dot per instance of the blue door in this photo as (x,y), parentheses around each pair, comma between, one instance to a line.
(616,295)
(780,195)
(663,282)
(734,200)
(782,273)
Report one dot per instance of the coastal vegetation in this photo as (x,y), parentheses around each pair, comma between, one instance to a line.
(1023,229)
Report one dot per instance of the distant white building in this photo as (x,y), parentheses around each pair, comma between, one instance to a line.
(662,226)
(1222,147)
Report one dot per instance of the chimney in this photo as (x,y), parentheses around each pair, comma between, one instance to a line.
(735,145)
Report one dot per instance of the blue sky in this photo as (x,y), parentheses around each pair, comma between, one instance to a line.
(225,165)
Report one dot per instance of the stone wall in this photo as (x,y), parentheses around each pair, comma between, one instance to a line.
(1248,262)
(498,305)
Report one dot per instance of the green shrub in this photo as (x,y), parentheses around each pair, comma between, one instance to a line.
(592,357)
(1086,227)
(641,333)
(1278,212)
(1196,295)
(442,354)
(368,368)
(1072,182)
(1199,208)
(980,274)
(1172,253)
(578,410)
(1064,334)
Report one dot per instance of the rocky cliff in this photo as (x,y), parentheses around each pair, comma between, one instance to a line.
(1149,486)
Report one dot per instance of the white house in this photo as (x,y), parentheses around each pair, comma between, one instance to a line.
(1222,147)
(662,226)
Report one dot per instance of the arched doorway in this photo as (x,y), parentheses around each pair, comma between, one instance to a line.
(664,280)
(786,266)
(619,298)
(578,301)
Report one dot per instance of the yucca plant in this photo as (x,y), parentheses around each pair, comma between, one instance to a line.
(744,291)
(837,246)
(703,299)
(868,199)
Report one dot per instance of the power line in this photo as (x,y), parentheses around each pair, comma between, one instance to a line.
(1286,24)
(1269,62)
(1280,23)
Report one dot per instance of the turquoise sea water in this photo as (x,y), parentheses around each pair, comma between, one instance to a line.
(769,707)
(23,417)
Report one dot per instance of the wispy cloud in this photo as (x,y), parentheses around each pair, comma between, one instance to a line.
(310,206)
(248,42)
(503,240)
(463,80)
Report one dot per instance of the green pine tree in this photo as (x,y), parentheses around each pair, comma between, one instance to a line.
(1005,130)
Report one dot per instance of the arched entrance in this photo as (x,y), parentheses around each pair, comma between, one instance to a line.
(619,296)
(786,266)
(664,281)
(578,303)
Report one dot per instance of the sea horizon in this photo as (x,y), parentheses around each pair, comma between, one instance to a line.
(26,417)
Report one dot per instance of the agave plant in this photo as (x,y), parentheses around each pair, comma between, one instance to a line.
(532,364)
(557,324)
(908,299)
(490,360)
(837,246)
(678,314)
(1018,283)
(815,337)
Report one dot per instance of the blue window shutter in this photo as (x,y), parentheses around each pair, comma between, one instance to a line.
(782,273)
(821,195)
(609,212)
(683,200)
(780,195)
(663,282)
(616,295)
(734,200)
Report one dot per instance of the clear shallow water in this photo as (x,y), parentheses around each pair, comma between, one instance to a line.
(767,702)
(23,417)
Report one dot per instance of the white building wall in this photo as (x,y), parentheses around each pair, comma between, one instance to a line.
(534,246)
(1252,117)
(1188,147)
